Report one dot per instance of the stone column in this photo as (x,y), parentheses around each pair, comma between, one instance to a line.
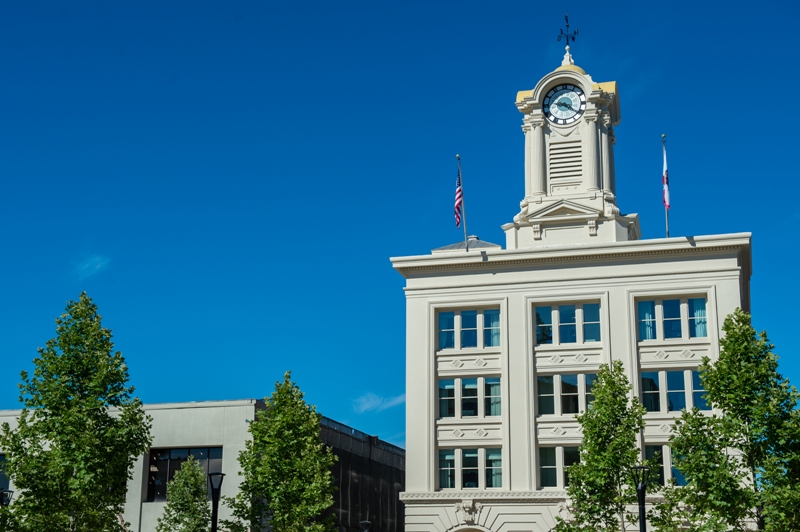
(538,160)
(612,183)
(604,154)
(528,140)
(590,154)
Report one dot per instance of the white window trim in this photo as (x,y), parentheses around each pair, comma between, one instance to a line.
(481,468)
(458,385)
(666,454)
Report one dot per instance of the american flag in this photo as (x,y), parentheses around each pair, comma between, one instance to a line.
(459,199)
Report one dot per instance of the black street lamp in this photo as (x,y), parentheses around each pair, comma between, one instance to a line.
(640,475)
(5,497)
(365,525)
(216,485)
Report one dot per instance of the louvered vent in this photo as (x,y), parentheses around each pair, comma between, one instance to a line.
(565,160)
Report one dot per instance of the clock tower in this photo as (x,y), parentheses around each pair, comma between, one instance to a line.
(570,193)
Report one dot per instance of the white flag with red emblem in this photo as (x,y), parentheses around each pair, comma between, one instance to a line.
(665,179)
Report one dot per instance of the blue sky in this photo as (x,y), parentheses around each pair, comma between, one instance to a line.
(227,180)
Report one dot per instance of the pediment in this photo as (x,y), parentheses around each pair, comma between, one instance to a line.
(564,209)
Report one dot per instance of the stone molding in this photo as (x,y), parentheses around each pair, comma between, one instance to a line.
(440,497)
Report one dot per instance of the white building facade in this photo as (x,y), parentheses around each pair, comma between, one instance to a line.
(503,345)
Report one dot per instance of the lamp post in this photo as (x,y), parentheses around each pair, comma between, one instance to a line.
(5,497)
(216,484)
(640,475)
(365,525)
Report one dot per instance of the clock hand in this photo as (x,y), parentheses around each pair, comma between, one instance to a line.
(566,105)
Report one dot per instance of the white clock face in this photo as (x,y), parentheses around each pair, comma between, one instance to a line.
(564,104)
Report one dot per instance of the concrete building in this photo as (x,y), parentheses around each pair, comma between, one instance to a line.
(369,475)
(503,344)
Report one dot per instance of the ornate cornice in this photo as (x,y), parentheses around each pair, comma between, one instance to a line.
(446,497)
(736,270)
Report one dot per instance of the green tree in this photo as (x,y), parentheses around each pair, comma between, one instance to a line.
(742,464)
(79,431)
(187,508)
(600,485)
(286,468)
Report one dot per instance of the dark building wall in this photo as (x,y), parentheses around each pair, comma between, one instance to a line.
(369,476)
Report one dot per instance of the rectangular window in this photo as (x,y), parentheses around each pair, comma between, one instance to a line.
(491,328)
(698,326)
(569,394)
(447,468)
(469,397)
(682,391)
(698,392)
(680,479)
(491,394)
(469,468)
(591,322)
(676,391)
(571,457)
(546,394)
(567,324)
(165,462)
(548,468)
(544,325)
(577,323)
(447,398)
(468,329)
(672,318)
(651,397)
(447,330)
(565,394)
(669,319)
(647,320)
(494,468)
(4,483)
(655,453)
(590,380)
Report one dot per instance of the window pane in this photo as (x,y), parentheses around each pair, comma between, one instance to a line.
(571,457)
(469,471)
(590,380)
(447,468)
(544,327)
(494,468)
(544,390)
(569,394)
(699,394)
(447,398)
(4,483)
(176,458)
(655,452)
(676,395)
(547,467)
(469,328)
(672,318)
(469,397)
(680,480)
(650,391)
(591,332)
(446,330)
(215,460)
(492,396)
(591,312)
(201,455)
(158,475)
(491,328)
(567,330)
(647,320)
(698,326)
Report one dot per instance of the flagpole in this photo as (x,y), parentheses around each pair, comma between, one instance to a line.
(666,176)
(463,203)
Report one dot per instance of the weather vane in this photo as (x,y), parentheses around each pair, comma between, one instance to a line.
(565,34)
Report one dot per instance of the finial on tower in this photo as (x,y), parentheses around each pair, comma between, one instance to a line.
(567,36)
